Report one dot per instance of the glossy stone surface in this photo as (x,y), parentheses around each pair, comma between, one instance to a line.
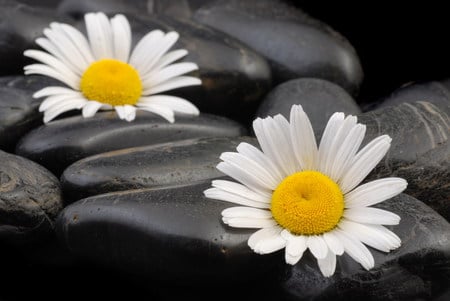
(62,142)
(173,234)
(20,25)
(295,44)
(418,270)
(173,163)
(77,8)
(18,115)
(234,77)
(420,149)
(30,199)
(319,99)
(438,93)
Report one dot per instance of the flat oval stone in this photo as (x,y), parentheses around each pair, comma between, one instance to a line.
(233,75)
(18,115)
(319,98)
(174,234)
(295,44)
(420,149)
(437,93)
(20,25)
(30,199)
(418,270)
(173,163)
(60,143)
(77,8)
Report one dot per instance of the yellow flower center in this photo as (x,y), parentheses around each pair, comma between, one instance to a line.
(111,82)
(307,203)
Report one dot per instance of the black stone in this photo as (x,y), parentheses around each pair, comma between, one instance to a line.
(437,93)
(173,234)
(62,142)
(20,25)
(77,8)
(181,162)
(319,98)
(418,270)
(30,199)
(420,149)
(234,77)
(295,44)
(18,115)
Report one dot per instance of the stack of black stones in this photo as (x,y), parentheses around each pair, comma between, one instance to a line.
(103,208)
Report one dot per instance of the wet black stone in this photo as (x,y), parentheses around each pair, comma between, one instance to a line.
(420,149)
(182,162)
(319,98)
(234,77)
(18,115)
(418,270)
(295,44)
(20,25)
(172,234)
(62,142)
(77,8)
(437,93)
(30,199)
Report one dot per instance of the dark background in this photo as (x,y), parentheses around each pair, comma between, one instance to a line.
(397,44)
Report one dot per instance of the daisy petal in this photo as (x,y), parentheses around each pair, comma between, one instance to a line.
(333,243)
(63,107)
(336,142)
(327,265)
(168,73)
(130,112)
(274,144)
(50,72)
(246,222)
(55,100)
(244,177)
(317,245)
(80,41)
(371,215)
(295,247)
(246,212)
(53,63)
(241,190)
(50,91)
(218,194)
(364,162)
(121,34)
(163,46)
(120,110)
(371,236)
(374,192)
(303,139)
(99,34)
(90,108)
(169,58)
(345,152)
(333,125)
(356,249)
(162,111)
(174,83)
(176,104)
(267,240)
(263,234)
(250,151)
(251,168)
(146,44)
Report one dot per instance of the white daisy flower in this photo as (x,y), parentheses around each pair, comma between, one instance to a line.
(102,72)
(303,197)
